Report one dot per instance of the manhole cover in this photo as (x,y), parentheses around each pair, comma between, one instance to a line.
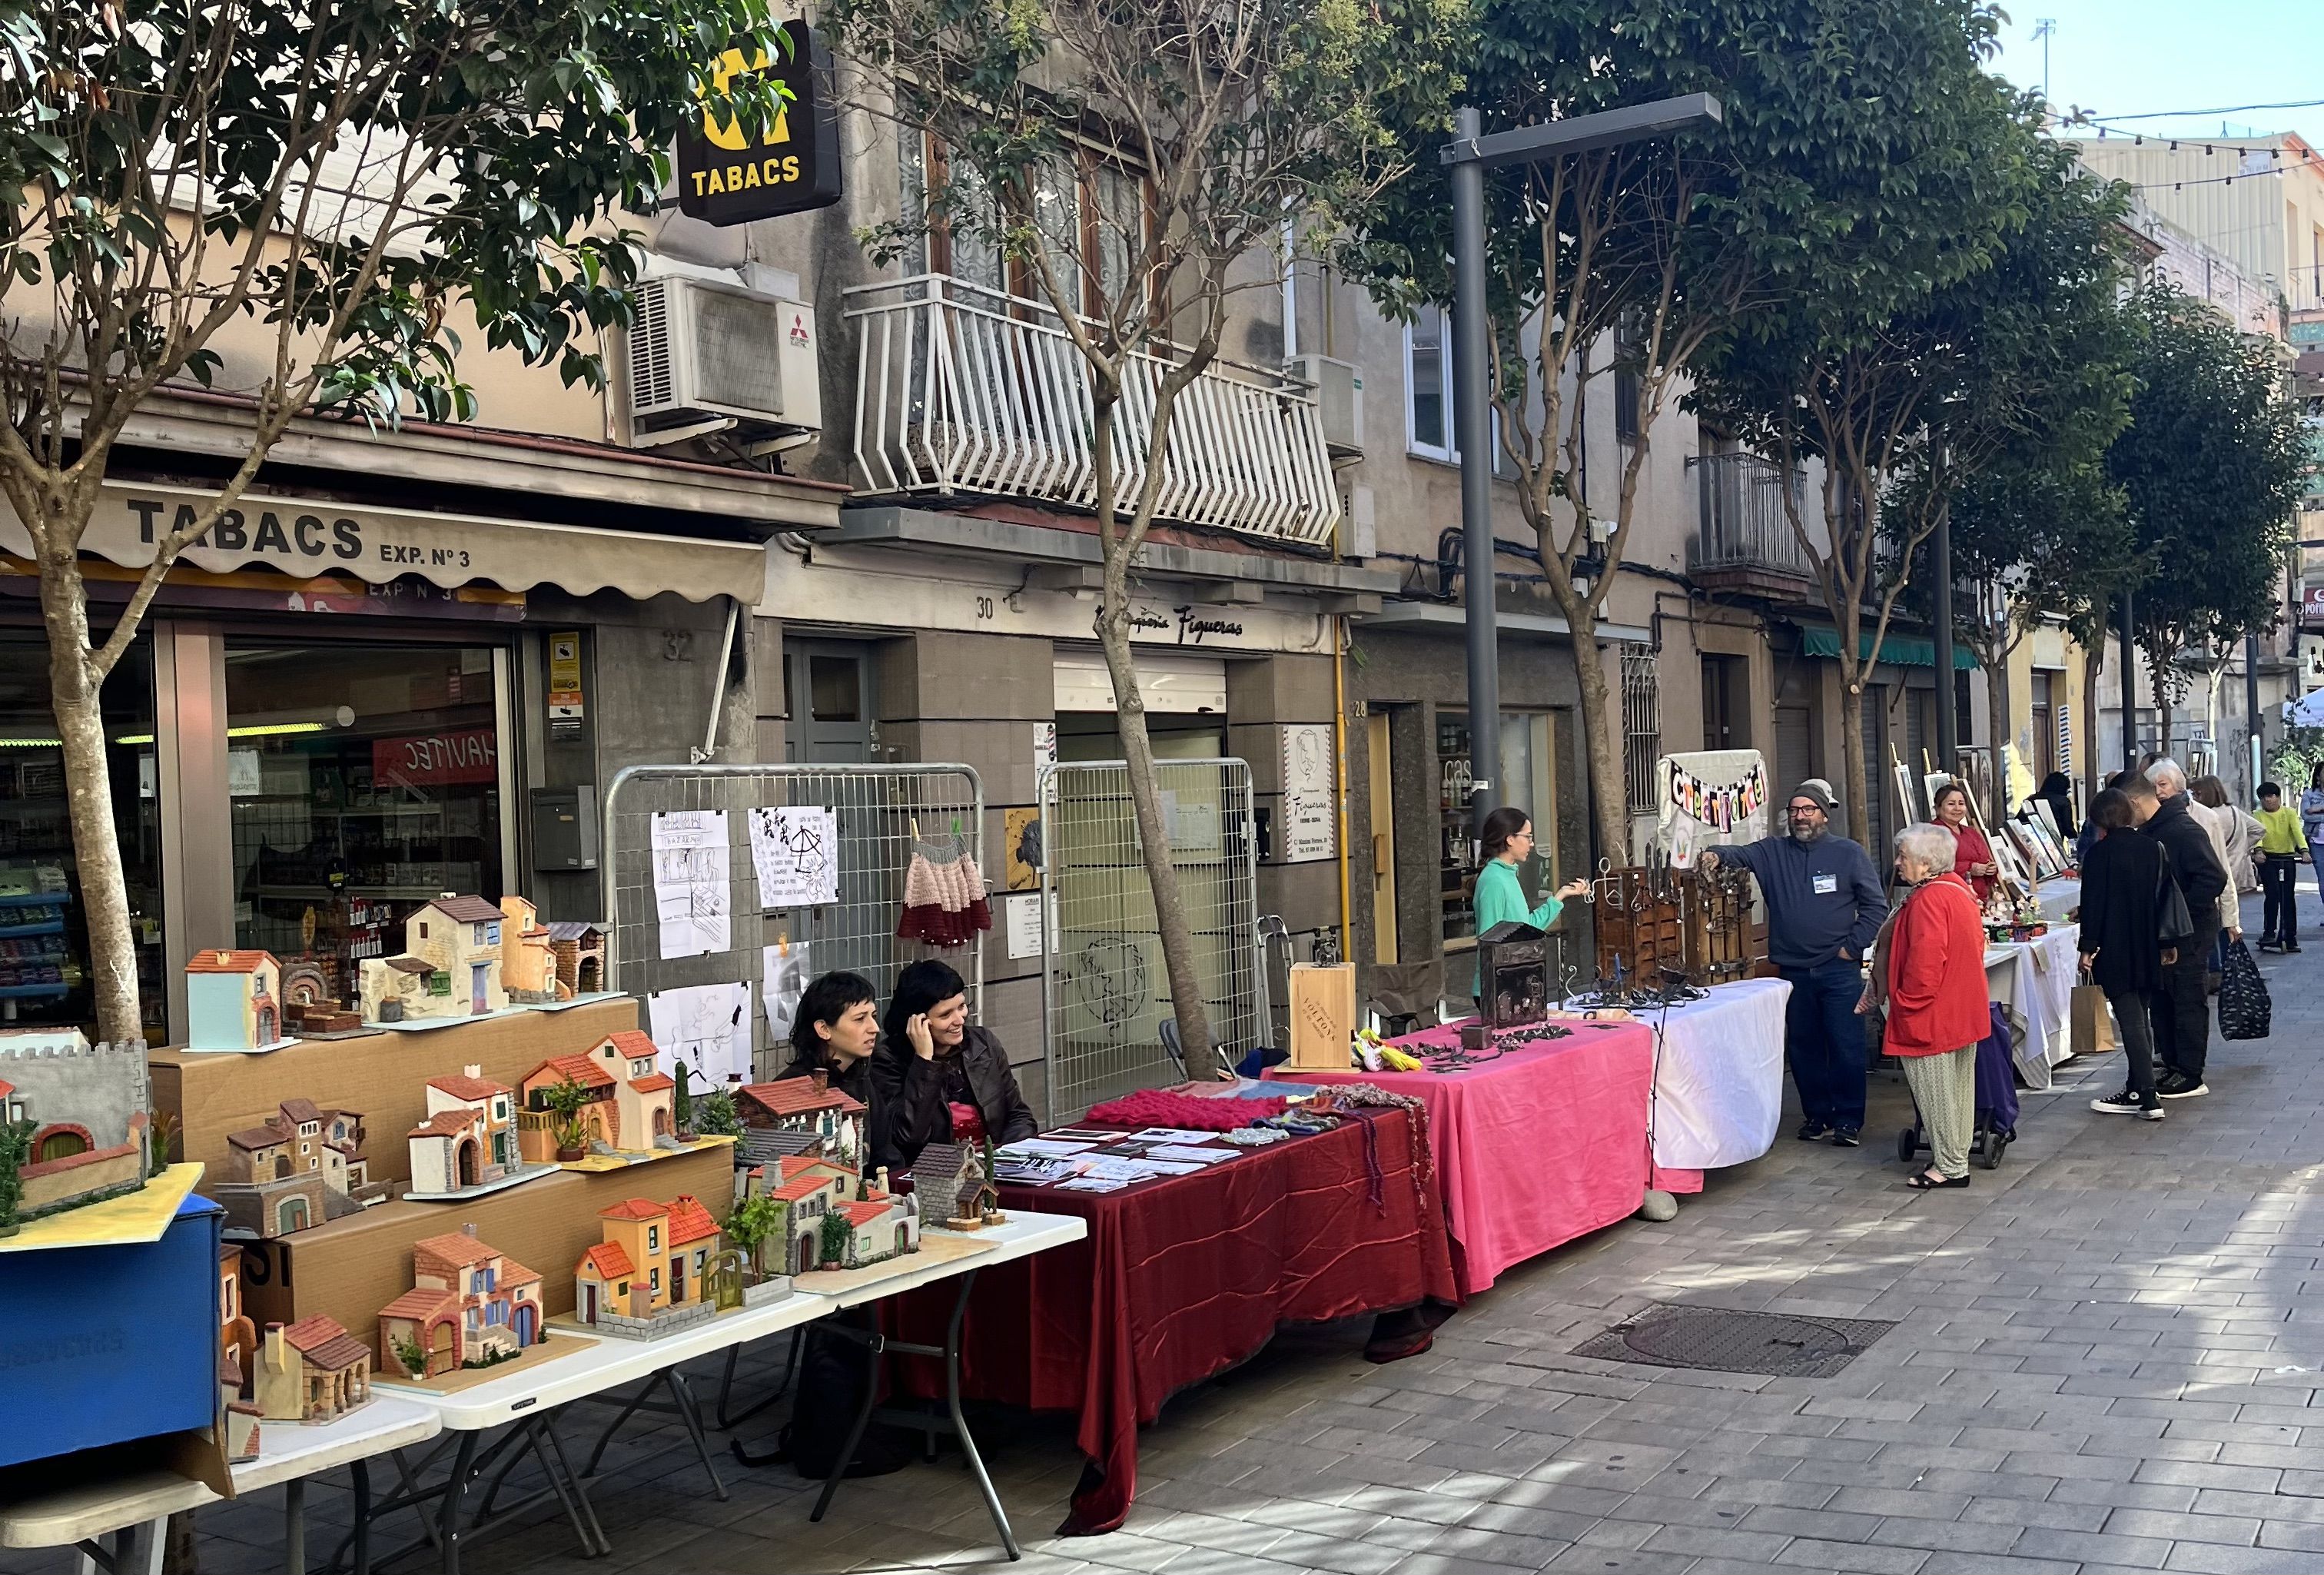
(1779,1344)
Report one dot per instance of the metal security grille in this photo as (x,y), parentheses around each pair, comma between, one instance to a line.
(877,813)
(1105,995)
(1642,728)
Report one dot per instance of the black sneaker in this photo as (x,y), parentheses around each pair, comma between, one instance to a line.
(2182,1087)
(1810,1129)
(2292,946)
(2269,946)
(2127,1104)
(1846,1137)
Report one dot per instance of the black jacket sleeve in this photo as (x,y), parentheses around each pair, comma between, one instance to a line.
(2098,891)
(1871,907)
(907,1108)
(1006,1115)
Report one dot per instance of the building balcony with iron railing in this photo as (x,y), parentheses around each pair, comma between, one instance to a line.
(964,392)
(1743,538)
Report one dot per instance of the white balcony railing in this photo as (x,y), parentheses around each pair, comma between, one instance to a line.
(960,390)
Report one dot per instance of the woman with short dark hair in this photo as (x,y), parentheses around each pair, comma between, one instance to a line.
(834,1029)
(936,1078)
(1508,840)
(2124,889)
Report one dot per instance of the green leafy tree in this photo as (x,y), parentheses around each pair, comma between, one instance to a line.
(836,1239)
(2211,468)
(295,203)
(1237,120)
(1882,195)
(755,1220)
(15,1154)
(681,1101)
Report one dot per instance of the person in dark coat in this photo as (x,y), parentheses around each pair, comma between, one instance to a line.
(2163,810)
(835,1030)
(937,1079)
(2124,878)
(2058,792)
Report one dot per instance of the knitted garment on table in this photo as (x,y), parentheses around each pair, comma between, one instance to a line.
(1353,1097)
(944,894)
(1187,1112)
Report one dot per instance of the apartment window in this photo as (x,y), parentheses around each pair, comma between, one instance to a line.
(1428,386)
(1642,728)
(1092,218)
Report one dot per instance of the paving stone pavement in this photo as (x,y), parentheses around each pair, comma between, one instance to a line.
(2109,1356)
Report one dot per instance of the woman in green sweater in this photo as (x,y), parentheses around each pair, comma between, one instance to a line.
(1508,840)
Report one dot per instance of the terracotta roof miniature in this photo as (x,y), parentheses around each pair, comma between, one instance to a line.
(325,1341)
(609,1261)
(633,1209)
(689,1220)
(443,1124)
(227,962)
(579,1068)
(653,1084)
(799,1095)
(419,1303)
(467,1087)
(466,910)
(634,1043)
(455,1249)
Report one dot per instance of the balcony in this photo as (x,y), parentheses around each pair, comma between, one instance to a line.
(1743,540)
(966,391)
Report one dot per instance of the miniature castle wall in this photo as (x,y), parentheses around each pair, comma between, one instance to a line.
(102,1088)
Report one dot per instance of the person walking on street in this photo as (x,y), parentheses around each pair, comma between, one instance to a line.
(2121,916)
(1500,895)
(2281,845)
(1824,908)
(1934,960)
(2182,1009)
(2311,823)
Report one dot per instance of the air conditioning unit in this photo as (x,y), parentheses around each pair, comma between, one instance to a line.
(705,357)
(1339,388)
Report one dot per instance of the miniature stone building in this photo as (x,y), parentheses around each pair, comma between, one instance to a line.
(528,958)
(581,948)
(91,1136)
(630,1104)
(314,1370)
(234,1000)
(469,1305)
(808,1104)
(301,1166)
(469,1138)
(651,1273)
(451,966)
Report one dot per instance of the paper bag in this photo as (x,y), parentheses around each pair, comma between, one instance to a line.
(2093,1027)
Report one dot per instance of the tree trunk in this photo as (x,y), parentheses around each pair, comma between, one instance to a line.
(1603,728)
(1997,706)
(2093,657)
(1856,790)
(89,790)
(1178,939)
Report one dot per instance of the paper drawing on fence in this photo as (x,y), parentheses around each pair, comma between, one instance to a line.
(783,974)
(796,850)
(690,877)
(707,1027)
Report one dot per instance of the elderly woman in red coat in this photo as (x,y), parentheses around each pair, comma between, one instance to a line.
(1934,957)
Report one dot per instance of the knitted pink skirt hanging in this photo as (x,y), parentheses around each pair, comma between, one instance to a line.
(944,894)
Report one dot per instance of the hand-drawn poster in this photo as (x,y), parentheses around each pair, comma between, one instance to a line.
(1021,832)
(783,975)
(690,875)
(1709,798)
(796,850)
(707,1027)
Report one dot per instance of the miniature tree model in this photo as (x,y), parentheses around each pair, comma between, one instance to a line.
(15,1148)
(837,1236)
(749,1228)
(681,1104)
(717,1117)
(564,1099)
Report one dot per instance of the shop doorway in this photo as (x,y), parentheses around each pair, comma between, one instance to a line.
(1381,786)
(827,701)
(1726,713)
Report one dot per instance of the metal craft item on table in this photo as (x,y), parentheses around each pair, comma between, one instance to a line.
(1658,918)
(1514,965)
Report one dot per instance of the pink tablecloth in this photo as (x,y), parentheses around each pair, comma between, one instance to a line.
(1533,1148)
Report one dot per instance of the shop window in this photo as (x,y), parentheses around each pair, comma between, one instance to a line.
(1428,386)
(44,961)
(364,780)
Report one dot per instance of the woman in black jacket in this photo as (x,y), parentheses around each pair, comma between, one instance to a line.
(2125,881)
(937,1079)
(834,1031)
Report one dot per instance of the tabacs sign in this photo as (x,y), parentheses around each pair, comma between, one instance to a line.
(723,179)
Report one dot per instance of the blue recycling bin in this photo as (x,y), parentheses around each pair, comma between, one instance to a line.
(103,1345)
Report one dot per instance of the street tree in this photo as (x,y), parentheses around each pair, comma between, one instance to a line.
(295,205)
(2211,468)
(1609,265)
(1886,195)
(1213,131)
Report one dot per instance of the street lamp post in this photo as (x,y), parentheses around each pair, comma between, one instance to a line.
(1469,156)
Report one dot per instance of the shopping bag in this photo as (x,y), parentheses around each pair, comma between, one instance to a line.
(2245,1009)
(2093,1023)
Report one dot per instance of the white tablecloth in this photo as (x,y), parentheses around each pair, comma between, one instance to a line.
(2035,980)
(1718,1076)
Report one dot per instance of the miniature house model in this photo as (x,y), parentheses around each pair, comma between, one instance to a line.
(870,1224)
(629,1103)
(311,1004)
(469,1139)
(238,1336)
(468,1307)
(808,1104)
(580,947)
(451,966)
(302,1165)
(314,1370)
(528,958)
(233,1001)
(948,1178)
(91,1135)
(651,1273)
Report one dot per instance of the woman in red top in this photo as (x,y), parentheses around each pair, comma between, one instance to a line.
(1972,854)
(1937,1006)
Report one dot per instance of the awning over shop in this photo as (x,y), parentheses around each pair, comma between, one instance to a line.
(306,537)
(1901,650)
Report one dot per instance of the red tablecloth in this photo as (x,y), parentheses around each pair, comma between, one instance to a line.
(1533,1148)
(1183,1278)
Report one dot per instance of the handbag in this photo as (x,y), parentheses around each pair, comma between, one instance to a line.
(2173,924)
(2245,1011)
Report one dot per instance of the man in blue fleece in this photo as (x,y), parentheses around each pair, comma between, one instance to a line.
(1825,903)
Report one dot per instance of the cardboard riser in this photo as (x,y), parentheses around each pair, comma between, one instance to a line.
(351,1268)
(383,1076)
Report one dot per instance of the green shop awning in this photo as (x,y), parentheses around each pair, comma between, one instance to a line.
(1902,650)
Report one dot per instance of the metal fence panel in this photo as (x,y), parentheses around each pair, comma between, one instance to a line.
(878,812)
(1106,994)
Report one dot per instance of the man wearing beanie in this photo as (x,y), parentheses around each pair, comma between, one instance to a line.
(1825,903)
